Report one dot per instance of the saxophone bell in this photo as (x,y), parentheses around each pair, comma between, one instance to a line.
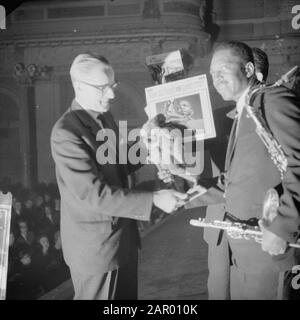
(270,206)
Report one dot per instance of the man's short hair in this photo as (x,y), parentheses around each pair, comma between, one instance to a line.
(238,49)
(261,62)
(84,63)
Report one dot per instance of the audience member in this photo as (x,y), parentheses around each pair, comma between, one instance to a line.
(25,236)
(25,284)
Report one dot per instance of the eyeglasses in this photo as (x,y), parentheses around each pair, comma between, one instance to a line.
(104,87)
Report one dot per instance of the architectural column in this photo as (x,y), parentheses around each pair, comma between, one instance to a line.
(24,139)
(48,103)
(26,78)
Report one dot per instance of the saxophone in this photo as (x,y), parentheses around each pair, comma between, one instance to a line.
(274,148)
(271,199)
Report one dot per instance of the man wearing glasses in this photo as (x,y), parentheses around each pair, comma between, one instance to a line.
(98,211)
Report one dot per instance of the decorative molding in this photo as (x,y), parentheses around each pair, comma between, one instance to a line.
(84,9)
(171,34)
(146,39)
(28,75)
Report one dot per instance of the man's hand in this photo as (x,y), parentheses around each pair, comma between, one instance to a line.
(169,200)
(196,191)
(271,243)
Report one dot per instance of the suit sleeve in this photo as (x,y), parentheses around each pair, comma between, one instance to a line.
(282,109)
(86,186)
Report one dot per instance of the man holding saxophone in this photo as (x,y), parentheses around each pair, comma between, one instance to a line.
(258,271)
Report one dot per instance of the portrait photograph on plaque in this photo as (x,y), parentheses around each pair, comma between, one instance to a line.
(186,102)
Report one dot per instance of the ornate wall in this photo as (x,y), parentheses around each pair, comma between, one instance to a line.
(126,31)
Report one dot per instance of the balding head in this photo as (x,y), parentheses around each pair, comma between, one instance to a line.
(92,78)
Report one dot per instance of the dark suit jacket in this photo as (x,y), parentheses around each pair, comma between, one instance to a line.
(251,172)
(98,211)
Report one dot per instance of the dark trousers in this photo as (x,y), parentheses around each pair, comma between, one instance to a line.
(253,275)
(268,285)
(218,282)
(118,284)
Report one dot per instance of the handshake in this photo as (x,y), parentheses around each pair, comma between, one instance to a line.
(169,200)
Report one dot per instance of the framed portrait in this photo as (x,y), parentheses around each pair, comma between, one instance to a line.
(186,102)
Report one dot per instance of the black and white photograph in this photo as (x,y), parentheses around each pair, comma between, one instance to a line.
(101,200)
(183,109)
(186,102)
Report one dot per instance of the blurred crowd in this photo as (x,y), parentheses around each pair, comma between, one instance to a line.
(35,262)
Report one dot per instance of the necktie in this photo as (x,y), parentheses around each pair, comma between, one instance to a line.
(101,120)
(107,122)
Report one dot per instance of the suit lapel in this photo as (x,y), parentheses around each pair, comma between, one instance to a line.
(106,121)
(231,141)
(93,127)
(85,118)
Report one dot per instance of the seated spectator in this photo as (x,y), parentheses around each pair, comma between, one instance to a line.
(38,201)
(48,201)
(26,281)
(48,222)
(16,212)
(28,212)
(24,235)
(43,253)
(38,211)
(45,261)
